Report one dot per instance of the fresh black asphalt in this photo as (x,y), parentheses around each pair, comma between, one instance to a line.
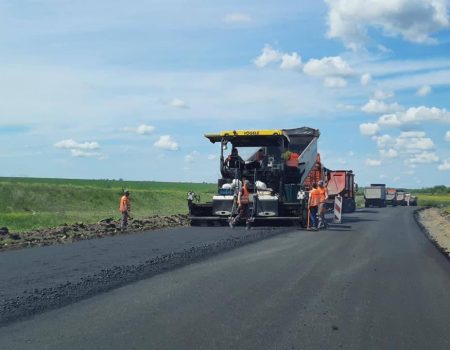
(37,279)
(373,282)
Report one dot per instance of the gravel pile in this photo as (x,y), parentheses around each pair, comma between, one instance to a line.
(80,231)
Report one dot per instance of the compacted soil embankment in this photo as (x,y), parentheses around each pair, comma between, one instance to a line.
(437,223)
(80,231)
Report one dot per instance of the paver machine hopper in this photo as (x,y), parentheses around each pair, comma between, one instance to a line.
(277,165)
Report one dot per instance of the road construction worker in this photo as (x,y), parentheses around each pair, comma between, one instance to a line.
(257,161)
(190,199)
(313,205)
(322,204)
(292,161)
(125,208)
(243,206)
(234,160)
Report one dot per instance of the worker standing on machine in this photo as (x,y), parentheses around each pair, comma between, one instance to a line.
(125,208)
(313,205)
(322,204)
(243,206)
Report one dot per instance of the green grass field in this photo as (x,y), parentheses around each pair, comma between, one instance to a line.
(29,203)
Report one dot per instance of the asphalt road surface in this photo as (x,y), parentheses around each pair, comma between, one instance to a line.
(373,282)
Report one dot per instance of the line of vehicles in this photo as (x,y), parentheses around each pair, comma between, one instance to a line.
(280,167)
(377,195)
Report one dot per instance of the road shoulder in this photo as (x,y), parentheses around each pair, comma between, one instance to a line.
(436,224)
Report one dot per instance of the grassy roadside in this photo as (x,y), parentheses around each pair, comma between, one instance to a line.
(27,203)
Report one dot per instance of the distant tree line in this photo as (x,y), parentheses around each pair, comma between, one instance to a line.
(440,189)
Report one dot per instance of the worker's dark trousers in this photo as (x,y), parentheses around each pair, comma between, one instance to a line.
(313,216)
(322,222)
(124,220)
(190,205)
(243,212)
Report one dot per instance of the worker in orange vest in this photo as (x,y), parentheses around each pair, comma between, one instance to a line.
(243,206)
(322,204)
(293,160)
(125,208)
(313,205)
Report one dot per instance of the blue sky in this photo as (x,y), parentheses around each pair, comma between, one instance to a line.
(126,89)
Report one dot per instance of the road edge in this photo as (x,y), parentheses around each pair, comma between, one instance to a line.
(427,232)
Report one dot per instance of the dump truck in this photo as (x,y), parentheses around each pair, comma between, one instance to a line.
(342,183)
(375,195)
(391,196)
(410,199)
(401,197)
(278,165)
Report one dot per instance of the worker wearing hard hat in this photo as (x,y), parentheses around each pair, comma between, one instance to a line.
(313,205)
(322,204)
(243,206)
(125,208)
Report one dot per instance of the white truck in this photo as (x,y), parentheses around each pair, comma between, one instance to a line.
(375,195)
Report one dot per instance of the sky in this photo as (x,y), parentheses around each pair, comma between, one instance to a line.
(127,89)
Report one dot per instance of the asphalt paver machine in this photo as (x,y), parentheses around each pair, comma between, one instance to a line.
(277,164)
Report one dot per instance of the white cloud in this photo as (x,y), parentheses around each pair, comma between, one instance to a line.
(379,107)
(167,143)
(383,140)
(415,21)
(447,136)
(366,79)
(81,154)
(423,158)
(291,62)
(212,157)
(145,129)
(334,66)
(142,129)
(424,90)
(237,18)
(268,55)
(334,82)
(416,115)
(373,162)
(445,166)
(382,95)
(177,103)
(413,141)
(390,153)
(189,158)
(369,129)
(71,144)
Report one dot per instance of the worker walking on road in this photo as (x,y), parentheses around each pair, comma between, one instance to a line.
(125,208)
(313,205)
(190,199)
(243,206)
(322,204)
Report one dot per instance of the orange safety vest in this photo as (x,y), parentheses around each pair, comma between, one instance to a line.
(124,204)
(314,198)
(245,196)
(293,160)
(323,194)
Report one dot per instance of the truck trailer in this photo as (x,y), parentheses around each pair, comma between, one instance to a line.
(391,196)
(401,197)
(342,183)
(279,165)
(375,195)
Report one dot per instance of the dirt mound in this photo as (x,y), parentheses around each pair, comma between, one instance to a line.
(81,231)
